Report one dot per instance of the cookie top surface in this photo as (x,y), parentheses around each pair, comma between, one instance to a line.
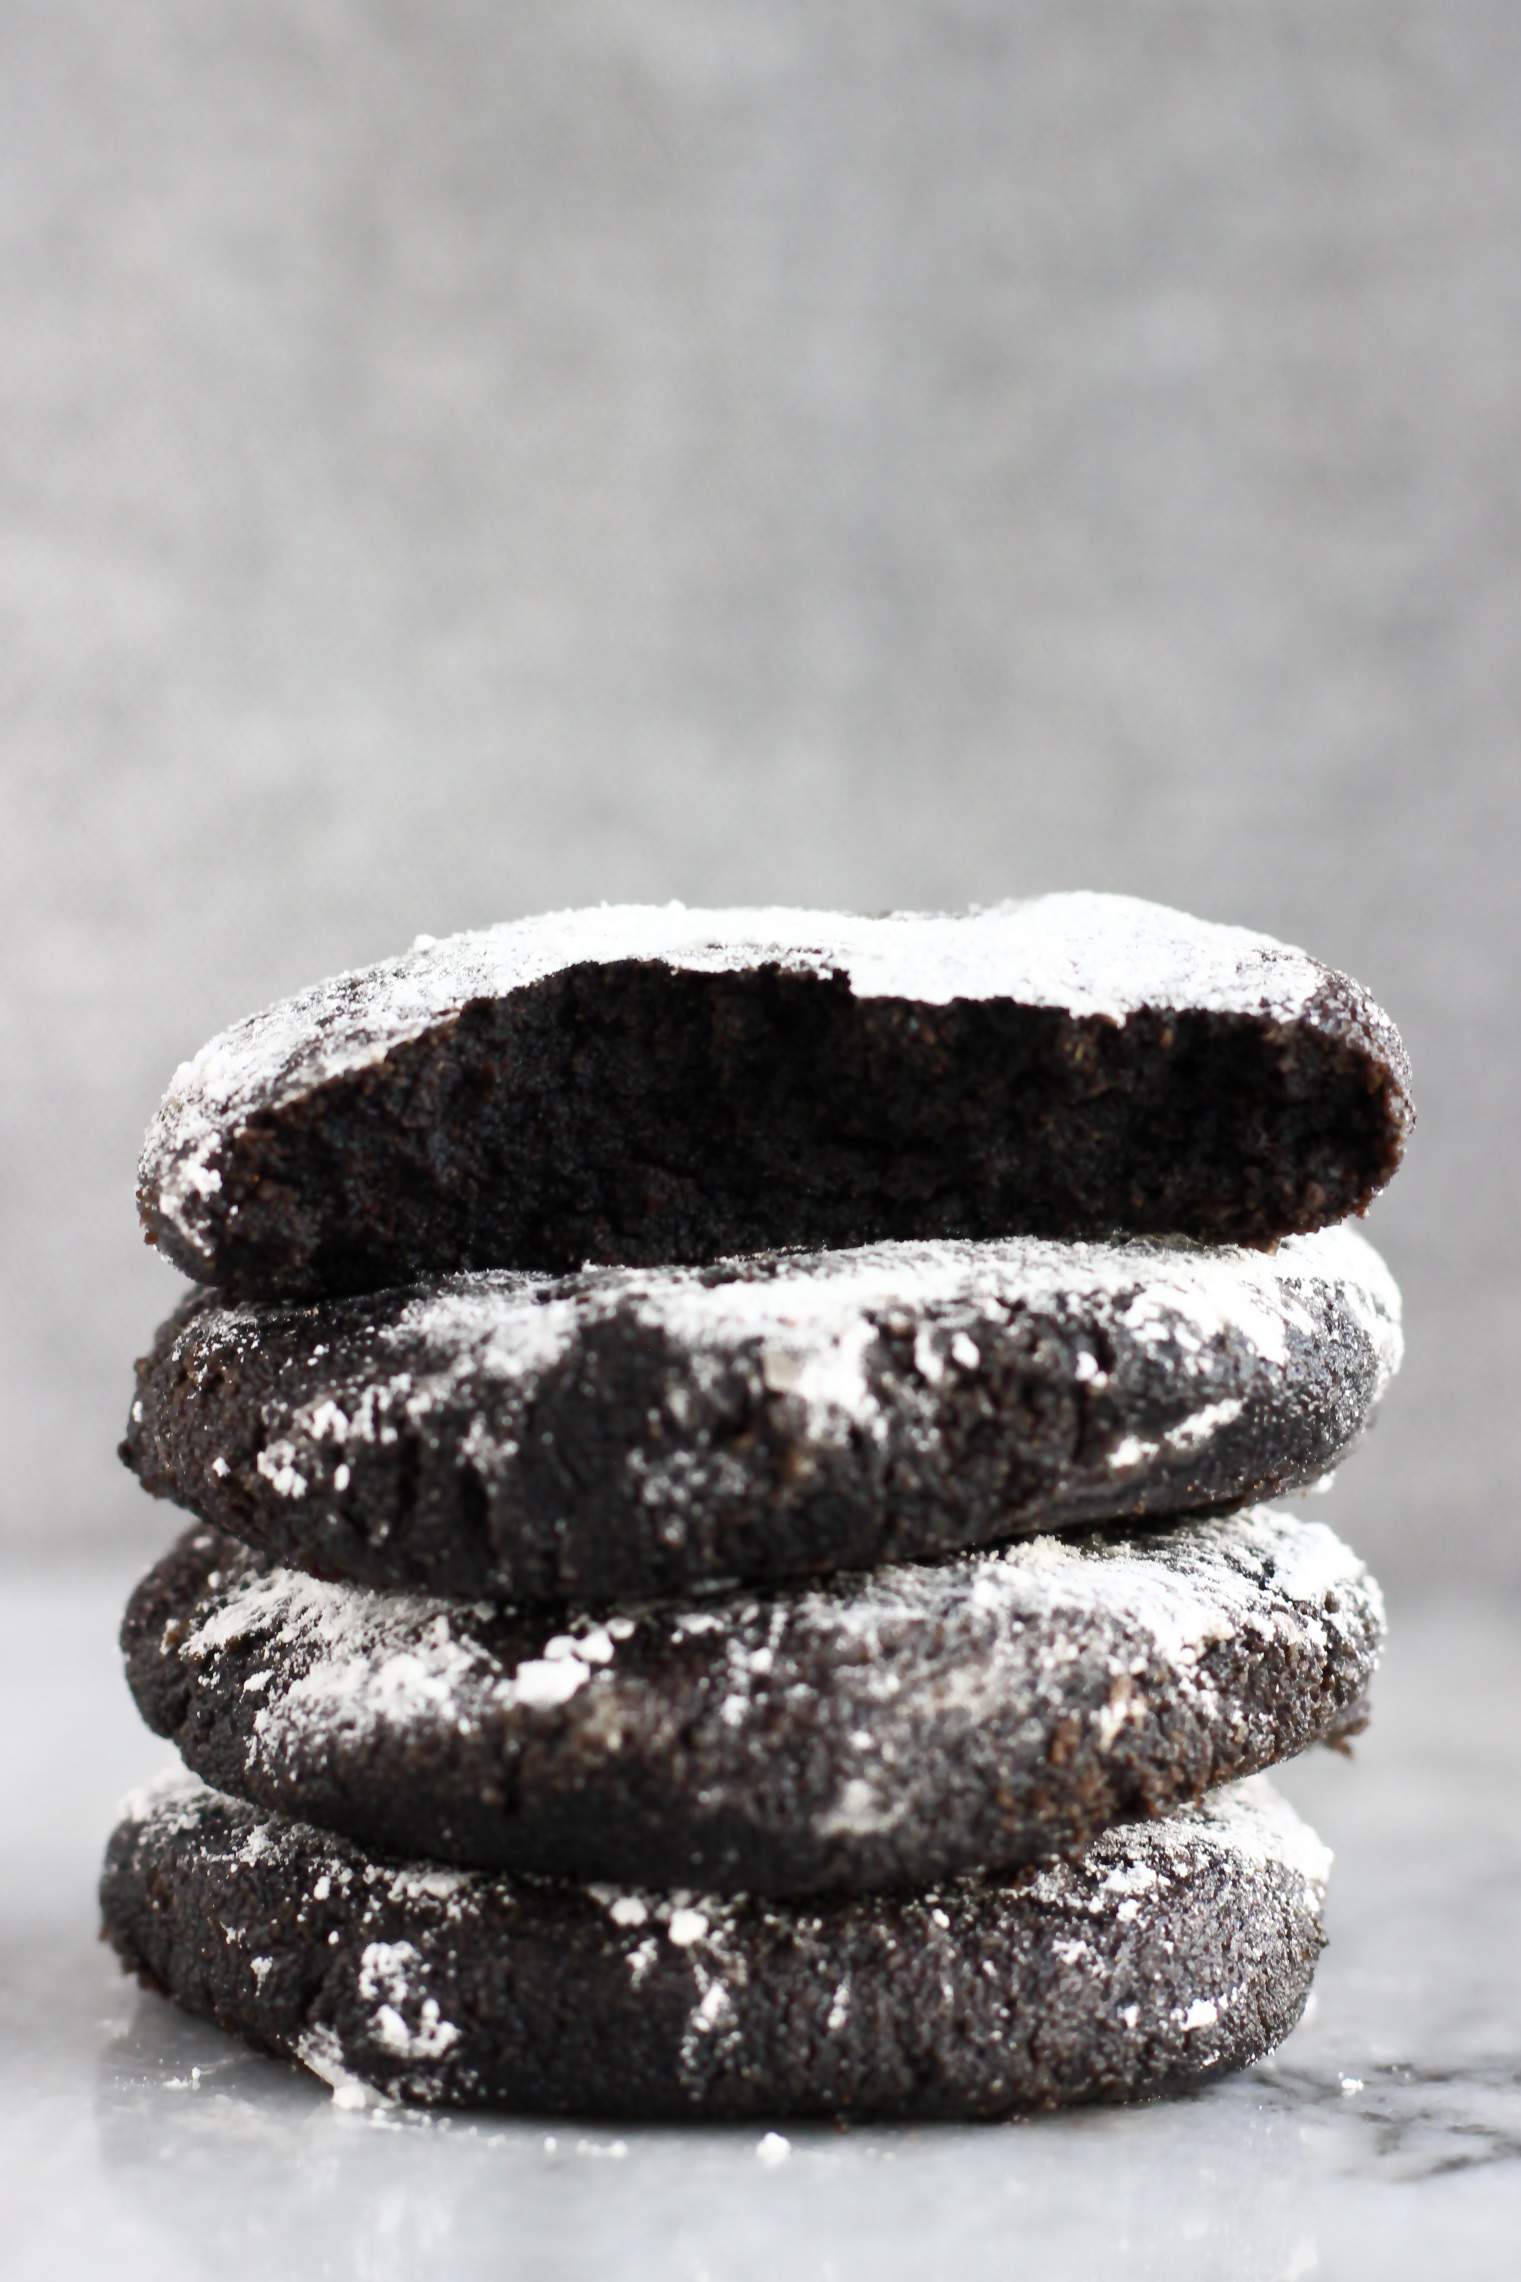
(638,1431)
(1087,955)
(816,1311)
(883,1729)
(1167,1952)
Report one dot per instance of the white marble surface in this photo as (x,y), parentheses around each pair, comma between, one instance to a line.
(1384,2140)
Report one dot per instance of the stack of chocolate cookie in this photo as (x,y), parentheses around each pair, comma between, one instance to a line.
(731,1575)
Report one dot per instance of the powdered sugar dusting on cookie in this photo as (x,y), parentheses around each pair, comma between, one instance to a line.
(349,1659)
(406,2020)
(1165,1944)
(804,1337)
(1089,954)
(840,1713)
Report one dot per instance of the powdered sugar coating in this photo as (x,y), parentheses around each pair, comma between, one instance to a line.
(1140,1375)
(881,1728)
(817,1313)
(1167,1950)
(1089,954)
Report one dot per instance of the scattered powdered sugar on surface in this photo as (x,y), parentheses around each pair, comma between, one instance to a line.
(1091,954)
(320,2051)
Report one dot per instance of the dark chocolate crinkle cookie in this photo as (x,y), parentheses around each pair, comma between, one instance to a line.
(629,1432)
(877,1730)
(1170,1953)
(657,1084)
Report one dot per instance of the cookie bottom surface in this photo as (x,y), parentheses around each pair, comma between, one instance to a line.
(1171,1952)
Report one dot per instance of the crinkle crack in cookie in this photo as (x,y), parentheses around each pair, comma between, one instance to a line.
(1170,1953)
(656,1084)
(630,1432)
(880,1730)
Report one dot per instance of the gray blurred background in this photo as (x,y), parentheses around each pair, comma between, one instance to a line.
(458,459)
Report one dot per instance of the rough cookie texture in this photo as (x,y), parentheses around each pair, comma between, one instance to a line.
(628,1432)
(655,1084)
(1172,1952)
(880,1730)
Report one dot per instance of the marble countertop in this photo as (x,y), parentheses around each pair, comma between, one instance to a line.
(1383,2140)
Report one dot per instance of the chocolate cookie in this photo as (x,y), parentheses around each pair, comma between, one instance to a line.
(628,1432)
(879,1730)
(647,1085)
(1170,1953)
